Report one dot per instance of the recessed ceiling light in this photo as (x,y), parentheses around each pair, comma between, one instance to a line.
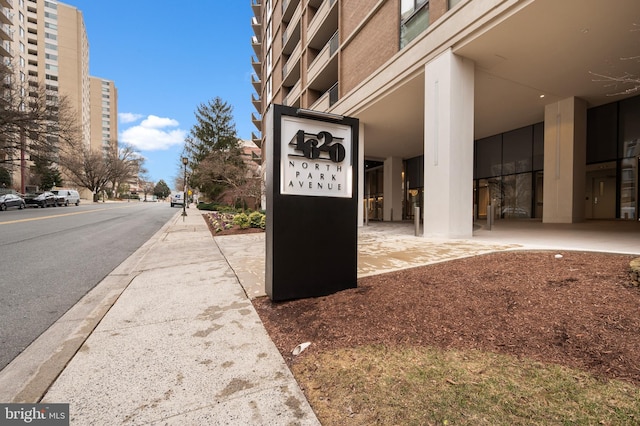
(541,96)
(584,30)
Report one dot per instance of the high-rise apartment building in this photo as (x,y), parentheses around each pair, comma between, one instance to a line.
(72,60)
(46,43)
(6,58)
(104,113)
(464,104)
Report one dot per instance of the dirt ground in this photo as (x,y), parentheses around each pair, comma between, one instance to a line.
(578,311)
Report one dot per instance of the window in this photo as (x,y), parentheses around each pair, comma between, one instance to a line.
(269,63)
(414,19)
(269,90)
(50,36)
(21,17)
(408,7)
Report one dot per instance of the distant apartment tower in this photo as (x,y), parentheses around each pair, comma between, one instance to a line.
(104,114)
(73,63)
(50,49)
(465,104)
(47,45)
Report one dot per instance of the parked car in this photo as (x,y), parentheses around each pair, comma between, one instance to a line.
(43,200)
(67,196)
(11,200)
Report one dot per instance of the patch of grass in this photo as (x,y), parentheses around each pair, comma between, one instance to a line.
(422,386)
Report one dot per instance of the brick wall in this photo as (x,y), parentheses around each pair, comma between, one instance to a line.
(437,8)
(374,44)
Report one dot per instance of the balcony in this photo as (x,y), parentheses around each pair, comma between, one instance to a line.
(255,5)
(256,139)
(5,32)
(4,53)
(292,66)
(257,66)
(288,9)
(291,34)
(6,3)
(4,19)
(257,45)
(257,83)
(324,24)
(257,121)
(257,27)
(293,97)
(323,71)
(326,100)
(257,102)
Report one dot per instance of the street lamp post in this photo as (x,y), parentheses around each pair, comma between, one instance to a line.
(185,161)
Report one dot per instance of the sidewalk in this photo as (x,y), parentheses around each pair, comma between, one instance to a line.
(172,337)
(182,345)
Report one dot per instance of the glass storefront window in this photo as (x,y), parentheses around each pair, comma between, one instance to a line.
(517,196)
(374,189)
(517,152)
(629,188)
(489,157)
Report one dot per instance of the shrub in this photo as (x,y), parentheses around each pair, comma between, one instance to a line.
(255,219)
(207,206)
(263,222)
(242,220)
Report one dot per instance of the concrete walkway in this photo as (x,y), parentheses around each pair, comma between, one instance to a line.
(171,337)
(182,345)
(391,246)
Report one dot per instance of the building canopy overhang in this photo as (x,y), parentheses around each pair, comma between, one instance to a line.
(527,54)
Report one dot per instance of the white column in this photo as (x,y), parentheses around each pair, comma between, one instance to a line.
(361,173)
(448,147)
(565,158)
(392,191)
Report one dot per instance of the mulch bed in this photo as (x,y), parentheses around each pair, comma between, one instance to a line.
(579,311)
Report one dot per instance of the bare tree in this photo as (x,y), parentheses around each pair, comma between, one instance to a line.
(34,121)
(89,169)
(125,163)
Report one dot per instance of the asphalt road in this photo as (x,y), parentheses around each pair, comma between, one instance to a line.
(50,258)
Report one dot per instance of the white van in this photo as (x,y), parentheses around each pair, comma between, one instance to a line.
(177,199)
(71,196)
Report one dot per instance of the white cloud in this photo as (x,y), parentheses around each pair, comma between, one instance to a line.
(155,122)
(129,117)
(151,134)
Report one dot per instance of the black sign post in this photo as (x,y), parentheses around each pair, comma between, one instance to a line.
(312,206)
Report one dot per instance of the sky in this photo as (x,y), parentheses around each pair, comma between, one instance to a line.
(166,58)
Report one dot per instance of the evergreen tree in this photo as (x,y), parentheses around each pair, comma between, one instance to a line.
(161,190)
(213,149)
(214,131)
